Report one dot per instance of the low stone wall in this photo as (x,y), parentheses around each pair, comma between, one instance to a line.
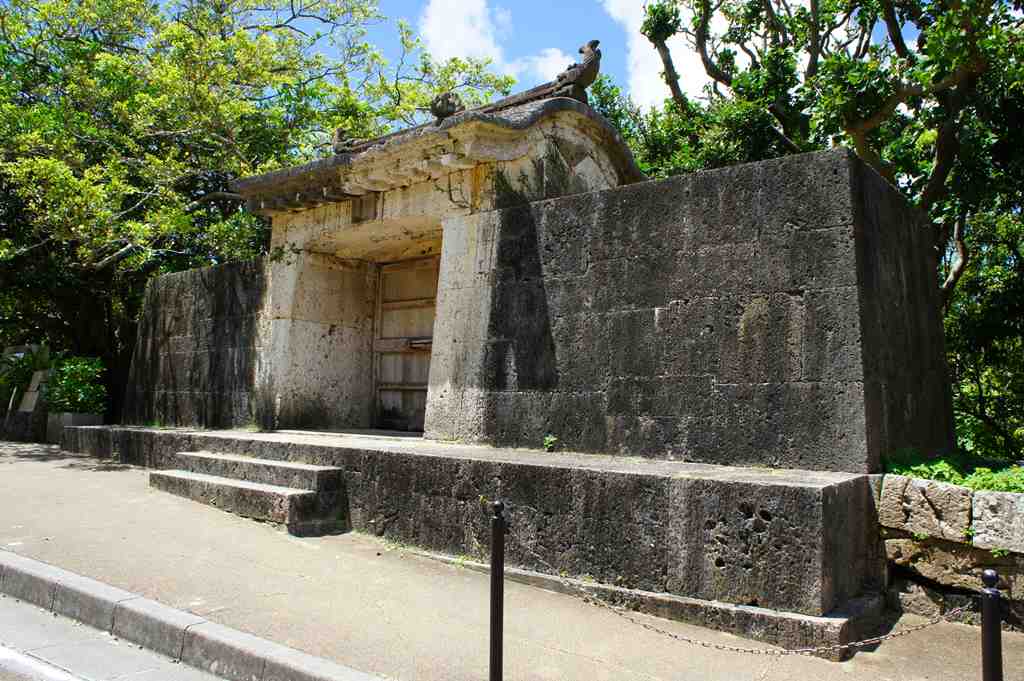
(939,538)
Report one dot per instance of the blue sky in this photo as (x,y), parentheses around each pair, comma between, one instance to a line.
(535,39)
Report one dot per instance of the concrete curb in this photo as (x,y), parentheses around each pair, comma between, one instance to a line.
(182,636)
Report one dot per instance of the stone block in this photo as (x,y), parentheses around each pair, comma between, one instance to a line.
(917,599)
(956,565)
(794,541)
(999,521)
(57,422)
(757,278)
(925,507)
(29,580)
(748,539)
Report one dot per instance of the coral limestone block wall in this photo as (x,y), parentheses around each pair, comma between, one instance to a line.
(781,313)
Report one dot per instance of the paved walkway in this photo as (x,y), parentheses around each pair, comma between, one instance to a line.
(379,608)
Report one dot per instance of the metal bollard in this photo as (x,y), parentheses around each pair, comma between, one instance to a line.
(497,587)
(991,628)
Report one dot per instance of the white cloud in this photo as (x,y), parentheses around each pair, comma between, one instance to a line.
(543,66)
(471,28)
(646,85)
(460,28)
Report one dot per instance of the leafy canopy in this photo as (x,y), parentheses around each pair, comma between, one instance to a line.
(123,122)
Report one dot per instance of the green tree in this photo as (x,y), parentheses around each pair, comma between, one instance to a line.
(123,122)
(929,93)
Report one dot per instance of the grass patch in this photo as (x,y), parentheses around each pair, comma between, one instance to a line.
(977,473)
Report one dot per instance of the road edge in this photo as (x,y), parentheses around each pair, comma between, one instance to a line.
(182,636)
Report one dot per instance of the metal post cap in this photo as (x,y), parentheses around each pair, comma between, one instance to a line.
(990,578)
(498,508)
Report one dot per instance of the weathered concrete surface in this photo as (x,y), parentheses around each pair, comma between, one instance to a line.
(179,635)
(789,540)
(374,606)
(195,354)
(925,507)
(998,521)
(779,313)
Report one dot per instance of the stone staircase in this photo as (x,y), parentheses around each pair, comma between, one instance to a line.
(306,499)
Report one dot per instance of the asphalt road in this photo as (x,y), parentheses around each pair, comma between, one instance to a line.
(37,646)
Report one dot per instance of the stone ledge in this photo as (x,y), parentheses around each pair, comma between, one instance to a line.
(788,630)
(787,540)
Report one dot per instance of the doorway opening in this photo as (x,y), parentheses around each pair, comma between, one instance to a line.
(403,339)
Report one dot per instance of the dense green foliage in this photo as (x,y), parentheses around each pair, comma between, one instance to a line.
(76,386)
(963,468)
(123,122)
(928,92)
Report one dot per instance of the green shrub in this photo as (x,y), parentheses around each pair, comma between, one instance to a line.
(959,468)
(76,386)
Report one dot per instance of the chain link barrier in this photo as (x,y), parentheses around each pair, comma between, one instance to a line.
(817,651)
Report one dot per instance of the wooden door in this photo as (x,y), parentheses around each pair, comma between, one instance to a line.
(406,300)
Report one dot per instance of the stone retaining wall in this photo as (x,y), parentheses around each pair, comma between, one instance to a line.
(195,355)
(939,538)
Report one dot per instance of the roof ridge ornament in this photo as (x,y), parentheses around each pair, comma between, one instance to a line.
(574,81)
(445,105)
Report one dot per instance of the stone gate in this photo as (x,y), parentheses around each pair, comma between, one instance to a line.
(721,358)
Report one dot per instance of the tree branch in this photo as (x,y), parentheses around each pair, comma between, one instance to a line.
(956,270)
(701,37)
(814,46)
(892,24)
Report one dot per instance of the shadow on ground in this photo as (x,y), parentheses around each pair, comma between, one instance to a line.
(21,452)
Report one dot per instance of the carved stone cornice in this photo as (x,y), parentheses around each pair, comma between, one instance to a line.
(459,142)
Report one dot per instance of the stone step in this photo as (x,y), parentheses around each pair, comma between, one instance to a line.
(265,471)
(301,511)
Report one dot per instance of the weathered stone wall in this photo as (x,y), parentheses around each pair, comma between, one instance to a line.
(906,380)
(939,538)
(780,313)
(316,365)
(198,341)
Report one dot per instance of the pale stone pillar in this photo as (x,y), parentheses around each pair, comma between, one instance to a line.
(454,407)
(316,370)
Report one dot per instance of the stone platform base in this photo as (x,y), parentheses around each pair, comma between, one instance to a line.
(777,555)
(859,619)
